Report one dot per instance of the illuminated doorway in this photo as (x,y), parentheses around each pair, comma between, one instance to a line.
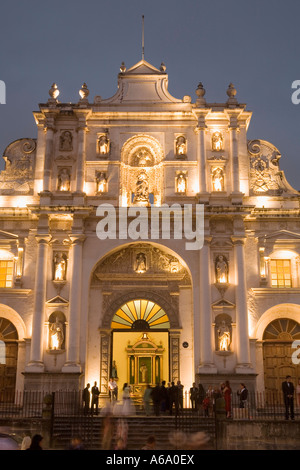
(140,345)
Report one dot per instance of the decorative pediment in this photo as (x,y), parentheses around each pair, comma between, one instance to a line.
(57,301)
(223,303)
(142,84)
(143,67)
(280,236)
(7,236)
(283,235)
(145,345)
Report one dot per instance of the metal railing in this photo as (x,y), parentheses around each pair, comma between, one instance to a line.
(39,404)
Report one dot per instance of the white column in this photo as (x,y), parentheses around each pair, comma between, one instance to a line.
(201,157)
(81,159)
(36,353)
(73,363)
(48,154)
(206,348)
(242,333)
(234,159)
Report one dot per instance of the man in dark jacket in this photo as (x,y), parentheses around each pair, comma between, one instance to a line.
(156,398)
(86,399)
(288,395)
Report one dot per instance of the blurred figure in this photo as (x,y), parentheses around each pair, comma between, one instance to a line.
(147,398)
(107,432)
(150,443)
(76,444)
(26,443)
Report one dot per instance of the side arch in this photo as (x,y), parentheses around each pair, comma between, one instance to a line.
(286,310)
(10,314)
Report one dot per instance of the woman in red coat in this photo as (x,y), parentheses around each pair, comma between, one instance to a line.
(227,396)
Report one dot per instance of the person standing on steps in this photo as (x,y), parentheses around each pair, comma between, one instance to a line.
(288,390)
(86,399)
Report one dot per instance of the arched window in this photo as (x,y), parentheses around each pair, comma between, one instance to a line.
(140,315)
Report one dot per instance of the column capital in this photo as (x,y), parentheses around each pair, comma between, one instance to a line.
(197,129)
(82,128)
(43,239)
(207,240)
(238,240)
(77,239)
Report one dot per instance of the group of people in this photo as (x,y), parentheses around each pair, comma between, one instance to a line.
(169,398)
(164,398)
(207,400)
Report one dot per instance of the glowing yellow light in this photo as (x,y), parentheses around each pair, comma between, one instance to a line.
(222,278)
(20,202)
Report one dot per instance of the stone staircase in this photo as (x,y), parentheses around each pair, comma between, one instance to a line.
(90,429)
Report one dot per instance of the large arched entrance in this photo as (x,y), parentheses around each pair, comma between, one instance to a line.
(8,359)
(141,303)
(277,353)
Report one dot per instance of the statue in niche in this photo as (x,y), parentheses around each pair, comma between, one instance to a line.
(66,140)
(140,264)
(181,146)
(144,372)
(221,268)
(218,179)
(217,141)
(64,180)
(181,183)
(114,371)
(101,182)
(103,145)
(224,337)
(60,267)
(142,188)
(56,334)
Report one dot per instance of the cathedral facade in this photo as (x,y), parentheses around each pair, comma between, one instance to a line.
(84,298)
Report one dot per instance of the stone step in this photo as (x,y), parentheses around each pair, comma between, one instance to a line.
(139,428)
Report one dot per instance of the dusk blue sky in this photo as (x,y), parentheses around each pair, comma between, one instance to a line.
(253,44)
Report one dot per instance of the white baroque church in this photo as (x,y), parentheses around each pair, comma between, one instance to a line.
(75,308)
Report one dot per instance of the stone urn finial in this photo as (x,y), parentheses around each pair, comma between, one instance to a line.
(231,91)
(200,92)
(53,92)
(123,67)
(84,92)
(163,68)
